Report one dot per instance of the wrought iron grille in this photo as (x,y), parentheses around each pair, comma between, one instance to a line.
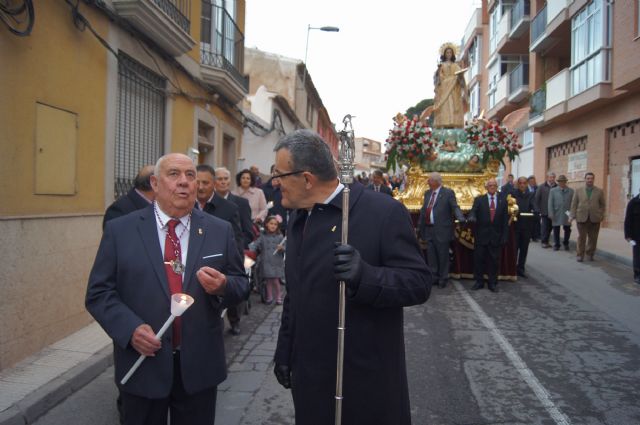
(139,122)
(222,42)
(538,25)
(178,10)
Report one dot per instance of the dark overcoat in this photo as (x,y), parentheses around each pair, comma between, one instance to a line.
(487,232)
(124,205)
(632,219)
(394,275)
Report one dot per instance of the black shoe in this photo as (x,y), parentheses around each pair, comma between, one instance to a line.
(493,287)
(478,285)
(521,274)
(442,284)
(591,258)
(235,329)
(546,245)
(556,248)
(566,247)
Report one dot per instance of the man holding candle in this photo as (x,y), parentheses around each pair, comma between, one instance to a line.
(144,258)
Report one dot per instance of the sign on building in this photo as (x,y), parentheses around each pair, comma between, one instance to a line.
(577,165)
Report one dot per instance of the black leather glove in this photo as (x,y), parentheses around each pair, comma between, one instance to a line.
(283,375)
(347,265)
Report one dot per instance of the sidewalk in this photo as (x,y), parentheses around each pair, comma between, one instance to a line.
(611,245)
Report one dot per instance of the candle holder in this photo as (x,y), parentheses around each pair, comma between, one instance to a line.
(179,304)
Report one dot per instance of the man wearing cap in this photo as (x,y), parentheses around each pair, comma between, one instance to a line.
(559,207)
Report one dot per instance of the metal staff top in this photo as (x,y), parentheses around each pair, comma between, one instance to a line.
(346,154)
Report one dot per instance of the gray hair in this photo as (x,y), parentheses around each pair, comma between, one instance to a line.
(223,170)
(436,177)
(158,166)
(309,153)
(551,173)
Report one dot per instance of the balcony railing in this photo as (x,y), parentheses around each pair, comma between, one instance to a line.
(225,50)
(519,11)
(518,78)
(538,103)
(178,10)
(538,25)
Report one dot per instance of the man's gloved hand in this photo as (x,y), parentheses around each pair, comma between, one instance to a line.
(347,265)
(283,375)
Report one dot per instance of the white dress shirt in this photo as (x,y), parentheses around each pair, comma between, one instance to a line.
(182,231)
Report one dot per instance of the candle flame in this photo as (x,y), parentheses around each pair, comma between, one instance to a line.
(183,299)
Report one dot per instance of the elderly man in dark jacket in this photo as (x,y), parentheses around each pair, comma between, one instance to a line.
(384,271)
(542,205)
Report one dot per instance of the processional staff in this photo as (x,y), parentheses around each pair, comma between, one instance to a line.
(346,159)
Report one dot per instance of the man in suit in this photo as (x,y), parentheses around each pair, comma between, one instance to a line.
(137,198)
(144,258)
(222,189)
(533,188)
(377,183)
(214,204)
(632,233)
(490,213)
(509,187)
(587,208)
(560,199)
(435,225)
(542,205)
(384,272)
(524,225)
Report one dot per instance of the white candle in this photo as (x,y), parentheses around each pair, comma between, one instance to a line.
(179,303)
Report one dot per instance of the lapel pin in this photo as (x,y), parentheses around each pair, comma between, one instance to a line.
(333,229)
(199,230)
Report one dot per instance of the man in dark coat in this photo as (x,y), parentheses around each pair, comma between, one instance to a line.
(509,187)
(542,205)
(524,225)
(378,184)
(491,215)
(533,188)
(384,271)
(139,197)
(222,189)
(273,194)
(632,233)
(435,225)
(214,204)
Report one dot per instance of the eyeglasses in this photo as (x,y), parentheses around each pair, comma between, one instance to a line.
(279,176)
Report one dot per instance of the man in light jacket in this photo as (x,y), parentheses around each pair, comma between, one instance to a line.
(559,207)
(587,208)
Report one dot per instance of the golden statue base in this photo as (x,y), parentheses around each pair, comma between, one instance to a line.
(465,185)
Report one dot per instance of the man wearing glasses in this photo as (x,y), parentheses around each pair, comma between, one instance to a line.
(383,270)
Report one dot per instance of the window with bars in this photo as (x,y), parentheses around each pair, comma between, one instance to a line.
(140,121)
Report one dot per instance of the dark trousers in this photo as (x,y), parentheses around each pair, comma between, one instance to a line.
(233,313)
(545,228)
(183,408)
(523,236)
(556,236)
(535,230)
(438,259)
(636,261)
(486,257)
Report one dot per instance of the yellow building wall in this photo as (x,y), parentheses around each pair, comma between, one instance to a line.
(60,66)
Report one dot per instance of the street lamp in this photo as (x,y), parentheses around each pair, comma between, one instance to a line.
(306,50)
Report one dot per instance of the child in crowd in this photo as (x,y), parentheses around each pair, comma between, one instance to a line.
(270,247)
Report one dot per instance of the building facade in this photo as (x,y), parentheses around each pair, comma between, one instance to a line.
(368,155)
(98,90)
(572,65)
(277,77)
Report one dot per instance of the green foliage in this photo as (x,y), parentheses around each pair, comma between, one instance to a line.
(418,108)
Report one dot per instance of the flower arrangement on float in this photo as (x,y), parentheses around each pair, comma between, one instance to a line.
(410,141)
(492,140)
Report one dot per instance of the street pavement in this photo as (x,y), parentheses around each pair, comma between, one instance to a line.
(560,347)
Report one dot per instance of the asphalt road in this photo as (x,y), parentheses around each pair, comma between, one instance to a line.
(561,347)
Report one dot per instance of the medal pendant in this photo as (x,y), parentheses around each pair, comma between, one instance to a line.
(177,266)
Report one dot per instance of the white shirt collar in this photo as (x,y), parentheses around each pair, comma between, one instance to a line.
(184,220)
(334,194)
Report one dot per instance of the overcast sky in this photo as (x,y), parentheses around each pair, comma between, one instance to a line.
(381,62)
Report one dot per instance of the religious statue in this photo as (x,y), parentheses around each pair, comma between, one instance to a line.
(451,99)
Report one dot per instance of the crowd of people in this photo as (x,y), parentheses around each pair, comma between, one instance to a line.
(183,229)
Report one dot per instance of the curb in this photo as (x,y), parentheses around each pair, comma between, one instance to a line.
(606,254)
(40,401)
